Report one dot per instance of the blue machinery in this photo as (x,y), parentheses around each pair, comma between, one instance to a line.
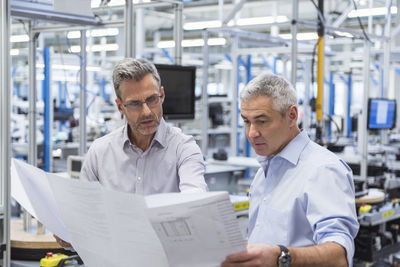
(47,99)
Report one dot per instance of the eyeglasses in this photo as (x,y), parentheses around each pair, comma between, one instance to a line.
(136,105)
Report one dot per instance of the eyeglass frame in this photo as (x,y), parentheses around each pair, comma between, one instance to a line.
(139,104)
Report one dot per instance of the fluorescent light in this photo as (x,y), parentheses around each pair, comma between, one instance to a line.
(377,11)
(300,36)
(166,44)
(216,41)
(14,52)
(262,20)
(74,34)
(94,33)
(68,67)
(104,47)
(344,34)
(19,38)
(199,25)
(104,32)
(96,48)
(192,43)
(96,3)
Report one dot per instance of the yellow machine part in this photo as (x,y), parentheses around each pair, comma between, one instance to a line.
(52,260)
(365,208)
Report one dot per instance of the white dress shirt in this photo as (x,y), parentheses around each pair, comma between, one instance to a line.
(303,196)
(172,163)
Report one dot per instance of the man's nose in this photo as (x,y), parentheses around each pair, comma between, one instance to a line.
(253,132)
(145,109)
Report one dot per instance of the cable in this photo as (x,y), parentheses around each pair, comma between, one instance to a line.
(338,128)
(24,26)
(321,17)
(361,26)
(313,61)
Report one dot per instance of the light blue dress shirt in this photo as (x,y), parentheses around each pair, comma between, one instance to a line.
(306,198)
(172,163)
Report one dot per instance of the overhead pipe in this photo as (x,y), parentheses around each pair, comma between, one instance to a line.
(320,70)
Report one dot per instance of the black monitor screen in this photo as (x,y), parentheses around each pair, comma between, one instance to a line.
(179,87)
(381,113)
(76,165)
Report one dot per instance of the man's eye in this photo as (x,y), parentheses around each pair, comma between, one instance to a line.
(151,99)
(134,103)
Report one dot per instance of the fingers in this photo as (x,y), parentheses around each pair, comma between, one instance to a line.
(239,257)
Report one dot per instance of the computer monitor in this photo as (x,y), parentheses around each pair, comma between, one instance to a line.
(179,86)
(74,165)
(381,113)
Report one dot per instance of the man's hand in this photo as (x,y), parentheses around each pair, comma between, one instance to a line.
(256,255)
(62,243)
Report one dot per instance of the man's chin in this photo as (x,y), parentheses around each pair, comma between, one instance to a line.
(148,130)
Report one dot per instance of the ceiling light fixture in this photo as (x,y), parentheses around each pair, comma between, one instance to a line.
(192,43)
(19,38)
(199,25)
(96,48)
(68,67)
(302,36)
(94,33)
(377,11)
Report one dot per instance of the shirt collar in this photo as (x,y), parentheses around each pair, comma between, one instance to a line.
(160,135)
(291,152)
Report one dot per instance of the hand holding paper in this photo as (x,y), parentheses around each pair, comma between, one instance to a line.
(109,228)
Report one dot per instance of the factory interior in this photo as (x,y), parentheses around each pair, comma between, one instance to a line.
(342,57)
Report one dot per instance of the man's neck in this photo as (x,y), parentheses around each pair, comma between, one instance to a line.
(141,141)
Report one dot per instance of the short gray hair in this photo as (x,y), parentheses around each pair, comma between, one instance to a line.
(133,69)
(278,88)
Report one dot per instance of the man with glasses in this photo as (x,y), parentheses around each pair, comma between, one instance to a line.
(145,156)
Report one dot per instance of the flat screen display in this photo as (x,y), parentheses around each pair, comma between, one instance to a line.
(381,113)
(179,86)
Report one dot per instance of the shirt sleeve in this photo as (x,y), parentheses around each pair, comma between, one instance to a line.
(191,167)
(89,168)
(331,207)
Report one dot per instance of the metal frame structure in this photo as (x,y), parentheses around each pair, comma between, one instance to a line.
(236,35)
(6,11)
(296,24)
(5,139)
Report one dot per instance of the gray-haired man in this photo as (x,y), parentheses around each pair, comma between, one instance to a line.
(302,210)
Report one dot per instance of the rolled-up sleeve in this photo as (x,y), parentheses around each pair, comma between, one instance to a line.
(191,167)
(89,167)
(333,216)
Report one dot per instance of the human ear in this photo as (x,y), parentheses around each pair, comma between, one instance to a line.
(119,105)
(292,114)
(162,93)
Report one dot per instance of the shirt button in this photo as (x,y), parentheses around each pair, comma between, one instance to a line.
(257,224)
(265,198)
(139,178)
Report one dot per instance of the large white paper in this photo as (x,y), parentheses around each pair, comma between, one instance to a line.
(114,229)
(104,223)
(197,230)
(30,187)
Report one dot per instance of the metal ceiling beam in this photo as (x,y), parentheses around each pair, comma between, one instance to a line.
(58,28)
(235,10)
(30,10)
(339,21)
